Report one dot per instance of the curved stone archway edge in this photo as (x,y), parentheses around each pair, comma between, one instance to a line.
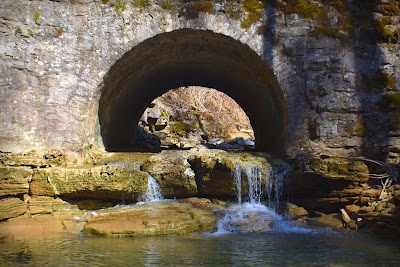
(191,57)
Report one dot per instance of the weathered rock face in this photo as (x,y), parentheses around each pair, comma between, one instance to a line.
(14,181)
(152,219)
(215,171)
(331,184)
(341,88)
(173,173)
(11,207)
(104,183)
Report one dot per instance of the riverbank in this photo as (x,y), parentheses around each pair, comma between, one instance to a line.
(61,193)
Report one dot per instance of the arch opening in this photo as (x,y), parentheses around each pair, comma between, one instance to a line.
(189,57)
(186,117)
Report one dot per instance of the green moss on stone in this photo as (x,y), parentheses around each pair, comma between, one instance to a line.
(105,2)
(141,3)
(204,6)
(18,30)
(119,6)
(378,81)
(392,99)
(36,15)
(233,10)
(167,4)
(254,10)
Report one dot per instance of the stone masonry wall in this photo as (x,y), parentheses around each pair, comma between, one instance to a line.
(54,56)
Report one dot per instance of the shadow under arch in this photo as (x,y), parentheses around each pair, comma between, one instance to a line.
(188,57)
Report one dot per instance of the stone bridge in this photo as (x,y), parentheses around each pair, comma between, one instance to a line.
(76,73)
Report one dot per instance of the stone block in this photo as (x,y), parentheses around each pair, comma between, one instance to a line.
(372,193)
(113,183)
(11,207)
(14,181)
(41,205)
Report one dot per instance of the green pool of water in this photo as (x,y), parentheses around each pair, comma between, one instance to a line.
(277,248)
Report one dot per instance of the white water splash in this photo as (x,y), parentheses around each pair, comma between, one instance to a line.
(153,191)
(275,179)
(252,215)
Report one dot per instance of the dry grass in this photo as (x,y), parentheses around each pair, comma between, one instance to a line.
(208,103)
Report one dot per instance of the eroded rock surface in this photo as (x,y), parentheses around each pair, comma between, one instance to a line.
(152,219)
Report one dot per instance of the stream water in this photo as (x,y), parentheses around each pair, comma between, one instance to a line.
(273,248)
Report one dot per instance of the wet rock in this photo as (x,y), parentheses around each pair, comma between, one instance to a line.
(295,212)
(173,174)
(104,182)
(247,218)
(11,207)
(215,171)
(203,203)
(329,222)
(39,226)
(14,181)
(152,219)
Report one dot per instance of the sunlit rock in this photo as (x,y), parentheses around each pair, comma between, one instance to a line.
(152,219)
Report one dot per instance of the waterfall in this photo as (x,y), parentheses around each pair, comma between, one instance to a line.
(237,174)
(250,215)
(254,179)
(275,179)
(153,191)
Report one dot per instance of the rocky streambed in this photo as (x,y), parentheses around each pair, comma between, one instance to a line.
(98,193)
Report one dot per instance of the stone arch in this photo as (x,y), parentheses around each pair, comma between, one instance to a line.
(191,57)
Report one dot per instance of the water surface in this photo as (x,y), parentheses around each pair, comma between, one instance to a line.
(275,248)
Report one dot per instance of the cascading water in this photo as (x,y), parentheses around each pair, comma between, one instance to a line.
(252,215)
(253,175)
(153,191)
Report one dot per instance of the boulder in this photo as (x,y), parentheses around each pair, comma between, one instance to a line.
(247,217)
(295,212)
(152,219)
(14,181)
(113,183)
(11,207)
(352,208)
(327,221)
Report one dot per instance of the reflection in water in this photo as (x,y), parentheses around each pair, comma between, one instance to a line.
(274,248)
